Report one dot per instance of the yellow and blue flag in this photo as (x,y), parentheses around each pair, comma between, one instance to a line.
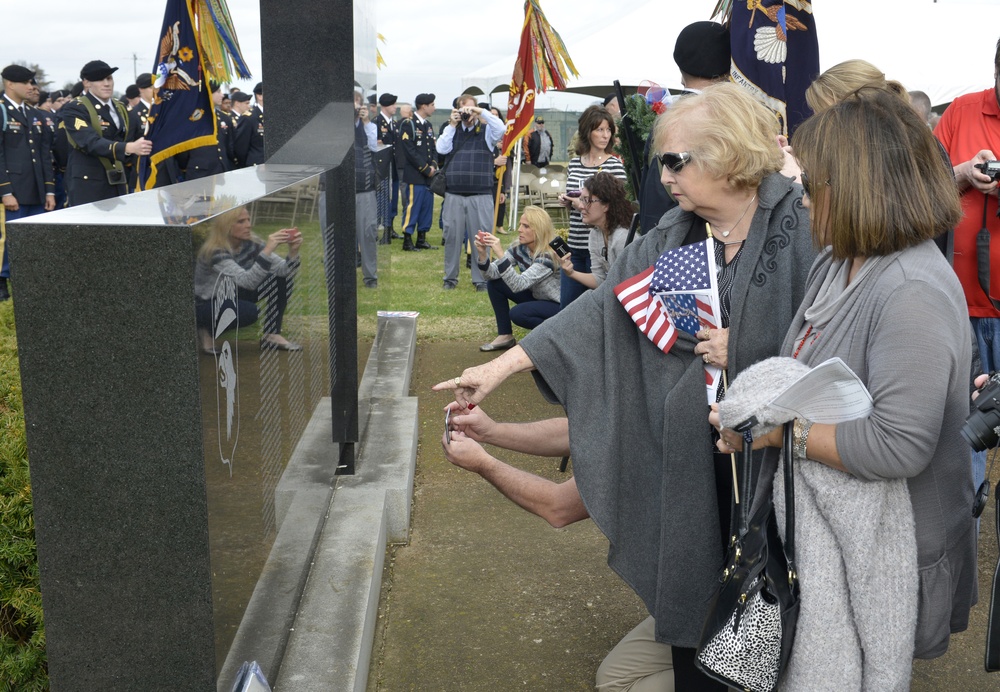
(775,54)
(181,117)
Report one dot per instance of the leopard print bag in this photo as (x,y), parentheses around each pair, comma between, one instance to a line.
(749,631)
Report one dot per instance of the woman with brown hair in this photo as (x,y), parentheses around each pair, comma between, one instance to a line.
(605,208)
(595,144)
(885,538)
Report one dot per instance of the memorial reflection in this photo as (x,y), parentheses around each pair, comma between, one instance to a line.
(261,312)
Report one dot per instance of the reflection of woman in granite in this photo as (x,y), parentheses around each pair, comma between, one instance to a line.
(232,251)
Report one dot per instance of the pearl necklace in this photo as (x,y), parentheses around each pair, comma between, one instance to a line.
(725,234)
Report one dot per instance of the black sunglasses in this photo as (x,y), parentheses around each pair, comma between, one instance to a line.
(674,161)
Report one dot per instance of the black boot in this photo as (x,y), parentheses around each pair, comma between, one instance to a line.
(4,293)
(408,243)
(392,233)
(422,243)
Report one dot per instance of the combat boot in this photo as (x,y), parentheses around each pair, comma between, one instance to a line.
(422,243)
(408,243)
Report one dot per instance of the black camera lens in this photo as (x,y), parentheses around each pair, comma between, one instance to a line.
(980,428)
(465,116)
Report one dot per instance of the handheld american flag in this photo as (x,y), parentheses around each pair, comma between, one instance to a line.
(679,292)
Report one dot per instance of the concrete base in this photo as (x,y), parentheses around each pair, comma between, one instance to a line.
(329,646)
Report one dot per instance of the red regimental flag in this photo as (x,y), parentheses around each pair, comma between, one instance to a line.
(521,102)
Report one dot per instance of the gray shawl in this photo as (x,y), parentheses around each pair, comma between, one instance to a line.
(638,421)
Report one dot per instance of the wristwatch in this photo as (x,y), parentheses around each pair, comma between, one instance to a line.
(800,437)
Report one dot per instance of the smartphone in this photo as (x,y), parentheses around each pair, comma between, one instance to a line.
(447,426)
(560,246)
(574,193)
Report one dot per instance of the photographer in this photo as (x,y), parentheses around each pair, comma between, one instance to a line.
(469,139)
(970,131)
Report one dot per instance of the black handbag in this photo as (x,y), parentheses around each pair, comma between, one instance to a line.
(748,634)
(438,184)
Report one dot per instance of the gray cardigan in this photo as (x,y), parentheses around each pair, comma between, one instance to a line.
(638,419)
(906,335)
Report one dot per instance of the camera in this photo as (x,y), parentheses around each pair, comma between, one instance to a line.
(466,116)
(991,169)
(982,427)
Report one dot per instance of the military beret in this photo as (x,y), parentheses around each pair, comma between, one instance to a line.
(132,91)
(386,100)
(17,73)
(259,89)
(371,99)
(43,96)
(96,70)
(424,99)
(76,90)
(240,96)
(702,50)
(144,81)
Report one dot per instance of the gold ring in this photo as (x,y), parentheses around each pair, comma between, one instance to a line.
(704,333)
(705,357)
(458,381)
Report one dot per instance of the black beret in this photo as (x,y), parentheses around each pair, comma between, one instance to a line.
(702,50)
(386,100)
(17,73)
(96,70)
(76,90)
(240,96)
(423,99)
(43,96)
(371,99)
(132,91)
(144,81)
(259,88)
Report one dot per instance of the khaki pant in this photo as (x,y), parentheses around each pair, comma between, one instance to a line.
(638,663)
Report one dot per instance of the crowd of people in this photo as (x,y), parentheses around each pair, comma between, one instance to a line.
(70,147)
(862,238)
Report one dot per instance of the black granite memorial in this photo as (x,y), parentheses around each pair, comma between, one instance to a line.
(178,491)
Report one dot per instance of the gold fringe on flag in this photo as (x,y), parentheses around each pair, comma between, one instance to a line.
(552,63)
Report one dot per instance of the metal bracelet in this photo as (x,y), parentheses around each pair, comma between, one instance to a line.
(800,435)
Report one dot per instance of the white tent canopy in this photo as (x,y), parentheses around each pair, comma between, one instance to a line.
(945,48)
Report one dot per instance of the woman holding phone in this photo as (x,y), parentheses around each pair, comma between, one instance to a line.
(606,209)
(527,274)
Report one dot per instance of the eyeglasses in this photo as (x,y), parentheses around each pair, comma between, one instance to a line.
(675,162)
(807,185)
(587,201)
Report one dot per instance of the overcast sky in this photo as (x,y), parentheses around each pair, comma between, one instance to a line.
(429,45)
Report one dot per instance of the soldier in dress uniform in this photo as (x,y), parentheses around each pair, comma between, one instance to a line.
(101,138)
(241,105)
(213,158)
(26,175)
(416,138)
(385,165)
(249,142)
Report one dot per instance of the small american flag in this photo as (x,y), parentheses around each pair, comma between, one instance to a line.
(678,292)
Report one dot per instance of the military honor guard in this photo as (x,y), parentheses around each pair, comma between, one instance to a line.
(26,174)
(249,142)
(385,164)
(416,138)
(101,138)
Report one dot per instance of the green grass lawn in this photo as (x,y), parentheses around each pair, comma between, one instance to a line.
(412,281)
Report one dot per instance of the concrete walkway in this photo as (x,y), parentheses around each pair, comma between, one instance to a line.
(487,597)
